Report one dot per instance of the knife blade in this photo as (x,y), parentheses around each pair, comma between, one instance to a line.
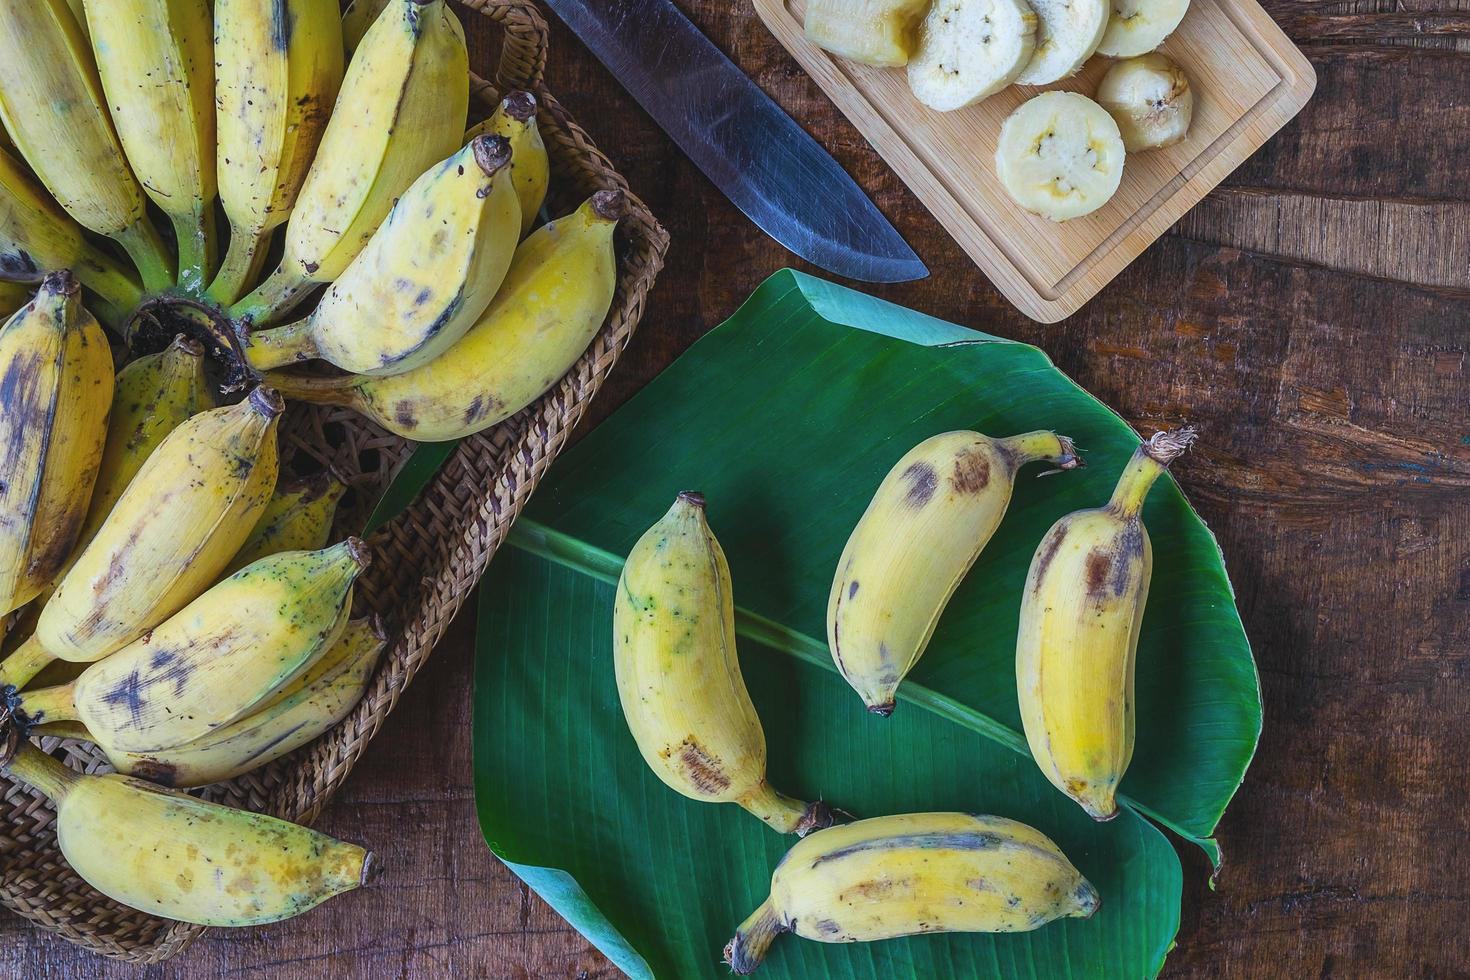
(752,150)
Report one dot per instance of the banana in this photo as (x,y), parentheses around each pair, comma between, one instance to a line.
(530,169)
(170,534)
(401,110)
(679,677)
(872,32)
(278,67)
(1080,617)
(1150,99)
(297,714)
(213,661)
(52,104)
(298,518)
(37,236)
(1067,34)
(55,389)
(929,520)
(552,303)
(1060,156)
(170,854)
(969,50)
(914,873)
(356,20)
(156,60)
(424,278)
(1138,26)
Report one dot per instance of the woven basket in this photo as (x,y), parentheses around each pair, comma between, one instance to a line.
(426,561)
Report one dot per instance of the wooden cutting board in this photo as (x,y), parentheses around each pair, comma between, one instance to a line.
(1248,79)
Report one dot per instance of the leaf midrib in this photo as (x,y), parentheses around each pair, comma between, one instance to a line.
(587,559)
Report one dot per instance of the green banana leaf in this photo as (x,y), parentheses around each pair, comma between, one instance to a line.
(786,417)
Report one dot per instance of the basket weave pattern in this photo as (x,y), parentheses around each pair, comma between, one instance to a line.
(426,561)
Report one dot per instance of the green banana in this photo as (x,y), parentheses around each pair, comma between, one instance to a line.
(530,168)
(400,111)
(298,518)
(553,301)
(424,278)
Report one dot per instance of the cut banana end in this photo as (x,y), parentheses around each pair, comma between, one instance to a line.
(873,32)
(1060,156)
(1150,99)
(969,50)
(1067,33)
(1139,26)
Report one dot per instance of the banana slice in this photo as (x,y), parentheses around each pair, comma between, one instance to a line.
(1060,155)
(1150,99)
(1138,26)
(1067,33)
(970,49)
(873,32)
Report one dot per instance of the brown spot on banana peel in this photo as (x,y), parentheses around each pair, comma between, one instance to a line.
(923,481)
(974,841)
(1099,567)
(971,472)
(155,771)
(702,769)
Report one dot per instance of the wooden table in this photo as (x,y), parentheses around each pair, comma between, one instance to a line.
(1311,316)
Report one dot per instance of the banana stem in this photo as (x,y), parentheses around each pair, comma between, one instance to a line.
(340,390)
(195,233)
(280,346)
(1028,447)
(1149,462)
(23,664)
(241,264)
(148,253)
(36,768)
(786,815)
(112,284)
(48,704)
(753,939)
(275,297)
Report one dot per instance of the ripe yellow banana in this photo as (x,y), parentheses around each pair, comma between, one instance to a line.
(550,306)
(213,661)
(914,873)
(297,714)
(298,518)
(55,390)
(156,60)
(530,169)
(52,105)
(1080,616)
(37,237)
(424,278)
(932,515)
(679,677)
(401,110)
(277,70)
(356,20)
(171,533)
(170,854)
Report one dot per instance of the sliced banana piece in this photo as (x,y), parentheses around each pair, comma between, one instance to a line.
(874,32)
(1138,26)
(1150,99)
(970,49)
(1060,156)
(1067,33)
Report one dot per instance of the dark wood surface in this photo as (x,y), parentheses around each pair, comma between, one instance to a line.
(1311,316)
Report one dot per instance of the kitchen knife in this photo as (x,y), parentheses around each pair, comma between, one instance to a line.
(756,154)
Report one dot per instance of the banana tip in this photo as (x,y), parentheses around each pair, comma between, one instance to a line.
(491,153)
(267,401)
(360,552)
(692,497)
(1166,446)
(372,868)
(882,710)
(60,283)
(818,816)
(737,959)
(610,205)
(378,628)
(519,105)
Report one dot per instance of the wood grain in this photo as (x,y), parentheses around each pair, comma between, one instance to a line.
(1335,469)
(1248,80)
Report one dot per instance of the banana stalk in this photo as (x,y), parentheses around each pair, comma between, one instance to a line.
(424,278)
(298,518)
(401,110)
(156,61)
(914,873)
(931,517)
(53,106)
(278,67)
(552,303)
(679,677)
(55,390)
(1080,618)
(180,857)
(215,660)
(530,169)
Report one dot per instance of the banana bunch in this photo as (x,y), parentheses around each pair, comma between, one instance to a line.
(553,301)
(1080,617)
(679,677)
(213,661)
(914,873)
(184,858)
(530,170)
(932,516)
